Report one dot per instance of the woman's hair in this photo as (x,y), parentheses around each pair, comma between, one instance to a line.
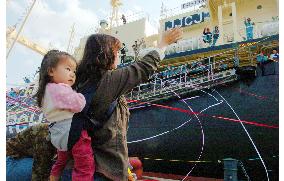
(99,54)
(50,60)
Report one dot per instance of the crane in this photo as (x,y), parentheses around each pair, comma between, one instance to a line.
(21,28)
(11,35)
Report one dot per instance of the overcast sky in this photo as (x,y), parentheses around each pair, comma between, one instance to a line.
(50,22)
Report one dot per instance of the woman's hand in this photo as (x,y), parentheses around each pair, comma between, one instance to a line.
(169,37)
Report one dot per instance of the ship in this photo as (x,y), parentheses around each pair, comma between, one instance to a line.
(205,103)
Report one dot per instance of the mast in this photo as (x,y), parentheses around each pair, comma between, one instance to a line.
(72,32)
(114,16)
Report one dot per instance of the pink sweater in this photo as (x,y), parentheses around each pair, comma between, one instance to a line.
(61,102)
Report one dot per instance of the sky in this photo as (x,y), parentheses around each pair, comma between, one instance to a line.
(50,21)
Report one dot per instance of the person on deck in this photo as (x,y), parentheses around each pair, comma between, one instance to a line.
(274,56)
(261,60)
(249,28)
(123,19)
(207,36)
(123,51)
(215,35)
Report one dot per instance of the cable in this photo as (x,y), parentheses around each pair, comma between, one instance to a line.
(202,132)
(168,131)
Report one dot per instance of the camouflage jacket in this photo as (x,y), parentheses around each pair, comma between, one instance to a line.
(33,142)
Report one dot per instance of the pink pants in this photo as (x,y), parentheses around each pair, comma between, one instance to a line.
(84,164)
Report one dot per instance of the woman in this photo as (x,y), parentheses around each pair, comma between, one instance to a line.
(109,136)
(98,67)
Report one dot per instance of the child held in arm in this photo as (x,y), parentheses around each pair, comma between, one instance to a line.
(59,102)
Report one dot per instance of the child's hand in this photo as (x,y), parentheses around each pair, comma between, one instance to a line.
(169,37)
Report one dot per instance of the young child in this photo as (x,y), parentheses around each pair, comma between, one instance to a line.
(59,103)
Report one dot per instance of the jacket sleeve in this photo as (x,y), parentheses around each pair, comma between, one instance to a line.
(118,82)
(64,97)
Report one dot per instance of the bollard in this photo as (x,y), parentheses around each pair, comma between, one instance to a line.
(230,169)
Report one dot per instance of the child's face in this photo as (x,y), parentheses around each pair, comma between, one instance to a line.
(64,72)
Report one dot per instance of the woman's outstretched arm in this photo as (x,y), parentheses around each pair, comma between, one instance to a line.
(117,82)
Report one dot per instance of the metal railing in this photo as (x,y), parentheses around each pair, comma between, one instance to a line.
(185,80)
(193,43)
(261,29)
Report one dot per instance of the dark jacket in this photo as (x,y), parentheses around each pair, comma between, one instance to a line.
(110,144)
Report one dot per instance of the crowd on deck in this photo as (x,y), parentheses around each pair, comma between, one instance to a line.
(136,47)
(209,38)
(20,92)
(262,58)
(190,69)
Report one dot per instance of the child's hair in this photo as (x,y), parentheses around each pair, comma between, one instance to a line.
(50,60)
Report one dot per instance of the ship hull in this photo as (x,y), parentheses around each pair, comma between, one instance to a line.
(170,140)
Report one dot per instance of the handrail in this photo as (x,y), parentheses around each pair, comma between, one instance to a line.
(198,75)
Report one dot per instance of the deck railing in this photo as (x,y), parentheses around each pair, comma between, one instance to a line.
(184,79)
